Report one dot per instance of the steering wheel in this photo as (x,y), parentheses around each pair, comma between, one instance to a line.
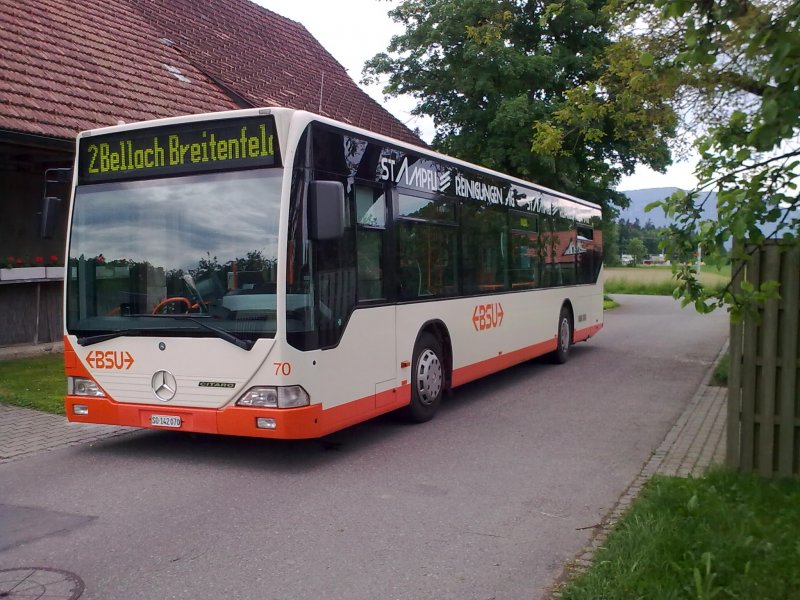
(174,306)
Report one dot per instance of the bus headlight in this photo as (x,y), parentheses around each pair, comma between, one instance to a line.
(80,386)
(291,396)
(259,396)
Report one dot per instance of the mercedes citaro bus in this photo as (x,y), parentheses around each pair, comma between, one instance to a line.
(273,273)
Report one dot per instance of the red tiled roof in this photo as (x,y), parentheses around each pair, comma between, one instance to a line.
(68,66)
(267,59)
(78,64)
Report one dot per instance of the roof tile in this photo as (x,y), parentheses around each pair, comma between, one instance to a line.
(68,65)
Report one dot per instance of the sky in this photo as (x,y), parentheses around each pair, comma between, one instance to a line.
(355,30)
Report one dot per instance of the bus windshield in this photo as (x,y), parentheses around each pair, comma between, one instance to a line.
(193,255)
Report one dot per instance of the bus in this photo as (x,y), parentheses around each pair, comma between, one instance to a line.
(277,274)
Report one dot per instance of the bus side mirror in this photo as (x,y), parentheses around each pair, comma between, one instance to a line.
(49,216)
(325,210)
(56,182)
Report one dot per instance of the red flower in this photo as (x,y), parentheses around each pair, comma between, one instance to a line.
(53,258)
(19,261)
(38,259)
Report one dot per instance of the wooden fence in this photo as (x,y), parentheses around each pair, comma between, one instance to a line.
(30,312)
(764,383)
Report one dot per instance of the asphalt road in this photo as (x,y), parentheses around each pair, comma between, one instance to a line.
(488,500)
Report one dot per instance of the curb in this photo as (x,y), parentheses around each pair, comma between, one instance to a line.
(30,350)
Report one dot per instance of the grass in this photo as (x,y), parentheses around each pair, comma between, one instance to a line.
(609,303)
(34,383)
(724,271)
(720,375)
(654,281)
(725,535)
(615,286)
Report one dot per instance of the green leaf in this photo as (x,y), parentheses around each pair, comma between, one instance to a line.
(654,205)
(769,109)
(646,59)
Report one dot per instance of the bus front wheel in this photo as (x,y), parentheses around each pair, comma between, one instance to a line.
(564,338)
(427,379)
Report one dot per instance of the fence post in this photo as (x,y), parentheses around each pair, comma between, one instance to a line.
(734,429)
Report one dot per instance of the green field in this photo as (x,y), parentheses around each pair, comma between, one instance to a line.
(654,280)
(37,383)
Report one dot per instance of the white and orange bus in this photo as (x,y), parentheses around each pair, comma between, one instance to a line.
(273,273)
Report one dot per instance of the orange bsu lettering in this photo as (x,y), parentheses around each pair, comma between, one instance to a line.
(110,359)
(486,316)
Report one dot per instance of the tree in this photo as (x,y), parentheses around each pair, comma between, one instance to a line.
(611,244)
(731,70)
(636,248)
(496,76)
(650,235)
(748,55)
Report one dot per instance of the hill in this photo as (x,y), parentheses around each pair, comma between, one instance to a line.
(641,198)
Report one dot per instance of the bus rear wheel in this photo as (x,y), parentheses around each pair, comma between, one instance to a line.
(564,337)
(427,379)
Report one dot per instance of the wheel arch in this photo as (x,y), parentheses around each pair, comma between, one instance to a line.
(567,303)
(438,329)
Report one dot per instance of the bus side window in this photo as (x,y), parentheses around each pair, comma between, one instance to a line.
(335,280)
(370,209)
(426,242)
(586,255)
(484,242)
(524,256)
(557,247)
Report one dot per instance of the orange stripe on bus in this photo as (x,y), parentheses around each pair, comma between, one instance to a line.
(291,423)
(498,363)
(585,334)
(73,367)
(503,361)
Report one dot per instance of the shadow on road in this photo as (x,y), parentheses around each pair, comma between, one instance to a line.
(299,456)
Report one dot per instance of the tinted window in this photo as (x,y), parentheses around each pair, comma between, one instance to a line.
(524,257)
(484,235)
(427,243)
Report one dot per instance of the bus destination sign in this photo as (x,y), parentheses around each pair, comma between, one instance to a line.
(179,149)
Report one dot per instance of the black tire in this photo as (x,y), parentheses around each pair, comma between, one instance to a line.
(563,337)
(427,379)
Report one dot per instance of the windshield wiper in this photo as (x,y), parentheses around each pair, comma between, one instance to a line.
(96,339)
(221,333)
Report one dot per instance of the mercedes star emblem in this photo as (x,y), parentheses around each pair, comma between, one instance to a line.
(164,385)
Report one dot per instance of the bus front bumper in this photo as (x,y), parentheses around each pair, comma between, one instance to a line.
(274,423)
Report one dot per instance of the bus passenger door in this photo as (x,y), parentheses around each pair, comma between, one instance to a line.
(375,315)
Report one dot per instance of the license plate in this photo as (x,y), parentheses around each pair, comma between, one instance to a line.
(165,421)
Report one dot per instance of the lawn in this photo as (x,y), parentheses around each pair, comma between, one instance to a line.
(37,383)
(724,535)
(656,281)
